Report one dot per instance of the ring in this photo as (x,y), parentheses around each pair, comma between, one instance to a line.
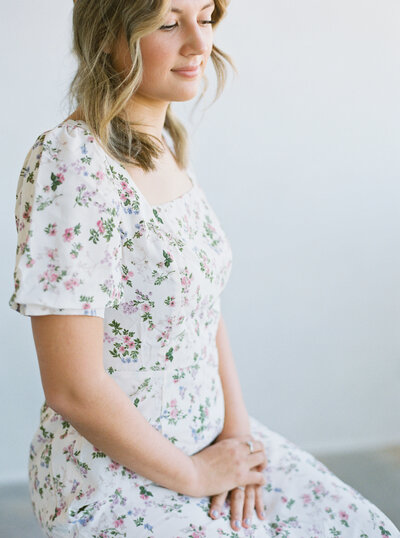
(250,446)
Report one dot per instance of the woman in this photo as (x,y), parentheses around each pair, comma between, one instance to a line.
(121,262)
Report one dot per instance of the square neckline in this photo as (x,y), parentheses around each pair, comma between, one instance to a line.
(127,176)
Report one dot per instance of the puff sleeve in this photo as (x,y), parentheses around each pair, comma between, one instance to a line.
(69,249)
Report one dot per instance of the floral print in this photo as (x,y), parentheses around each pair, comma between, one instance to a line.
(89,243)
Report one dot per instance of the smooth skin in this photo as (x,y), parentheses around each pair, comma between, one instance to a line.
(186,38)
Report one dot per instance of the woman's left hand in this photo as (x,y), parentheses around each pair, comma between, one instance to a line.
(242,502)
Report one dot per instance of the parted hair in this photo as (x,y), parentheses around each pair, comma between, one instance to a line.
(102,93)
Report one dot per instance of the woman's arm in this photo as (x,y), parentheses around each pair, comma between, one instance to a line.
(236,416)
(70,353)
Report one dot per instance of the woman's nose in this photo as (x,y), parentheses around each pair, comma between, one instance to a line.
(196,40)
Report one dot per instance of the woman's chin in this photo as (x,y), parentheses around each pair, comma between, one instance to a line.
(187,94)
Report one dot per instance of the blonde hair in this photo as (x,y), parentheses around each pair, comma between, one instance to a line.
(97,87)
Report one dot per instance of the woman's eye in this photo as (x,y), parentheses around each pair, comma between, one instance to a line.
(168,26)
(172,26)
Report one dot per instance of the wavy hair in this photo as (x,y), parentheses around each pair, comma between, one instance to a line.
(102,93)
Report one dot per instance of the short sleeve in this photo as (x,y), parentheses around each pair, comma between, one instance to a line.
(69,248)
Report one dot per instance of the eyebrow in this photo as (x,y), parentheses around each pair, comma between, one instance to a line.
(176,10)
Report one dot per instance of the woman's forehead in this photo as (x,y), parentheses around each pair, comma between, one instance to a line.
(177,6)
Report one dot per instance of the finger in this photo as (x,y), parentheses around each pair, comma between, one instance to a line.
(259,502)
(256,458)
(256,478)
(248,507)
(262,466)
(237,501)
(217,502)
(257,445)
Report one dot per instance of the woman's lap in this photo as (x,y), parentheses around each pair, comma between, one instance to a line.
(303,499)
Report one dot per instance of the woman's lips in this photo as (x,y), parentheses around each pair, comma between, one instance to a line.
(189,72)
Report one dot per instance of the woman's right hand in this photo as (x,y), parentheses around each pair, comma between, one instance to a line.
(225,465)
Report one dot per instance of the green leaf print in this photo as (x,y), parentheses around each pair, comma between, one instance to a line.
(94,236)
(46,434)
(144,491)
(51,229)
(42,203)
(98,454)
(116,327)
(55,181)
(87,160)
(209,232)
(109,226)
(155,213)
(167,259)
(169,355)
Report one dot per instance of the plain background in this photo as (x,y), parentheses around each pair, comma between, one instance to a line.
(300,160)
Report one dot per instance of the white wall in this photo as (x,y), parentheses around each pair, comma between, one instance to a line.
(300,159)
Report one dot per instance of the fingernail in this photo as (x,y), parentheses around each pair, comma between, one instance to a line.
(237,523)
(215,513)
(247,521)
(262,514)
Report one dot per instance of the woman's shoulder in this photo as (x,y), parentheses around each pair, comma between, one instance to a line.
(69,138)
(65,155)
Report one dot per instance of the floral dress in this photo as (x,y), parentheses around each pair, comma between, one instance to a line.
(90,243)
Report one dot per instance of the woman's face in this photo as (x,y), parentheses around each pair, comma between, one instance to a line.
(174,56)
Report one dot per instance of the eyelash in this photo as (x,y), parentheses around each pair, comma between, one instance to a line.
(172,26)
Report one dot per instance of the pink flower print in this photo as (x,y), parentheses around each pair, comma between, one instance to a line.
(100,175)
(145,308)
(174,412)
(124,197)
(86,306)
(100,226)
(30,263)
(53,230)
(118,522)
(68,234)
(127,338)
(343,515)
(108,338)
(71,283)
(173,403)
(90,138)
(51,253)
(131,344)
(60,177)
(46,188)
(130,192)
(114,466)
(306,498)
(53,277)
(284,499)
(26,213)
(127,276)
(124,185)
(121,349)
